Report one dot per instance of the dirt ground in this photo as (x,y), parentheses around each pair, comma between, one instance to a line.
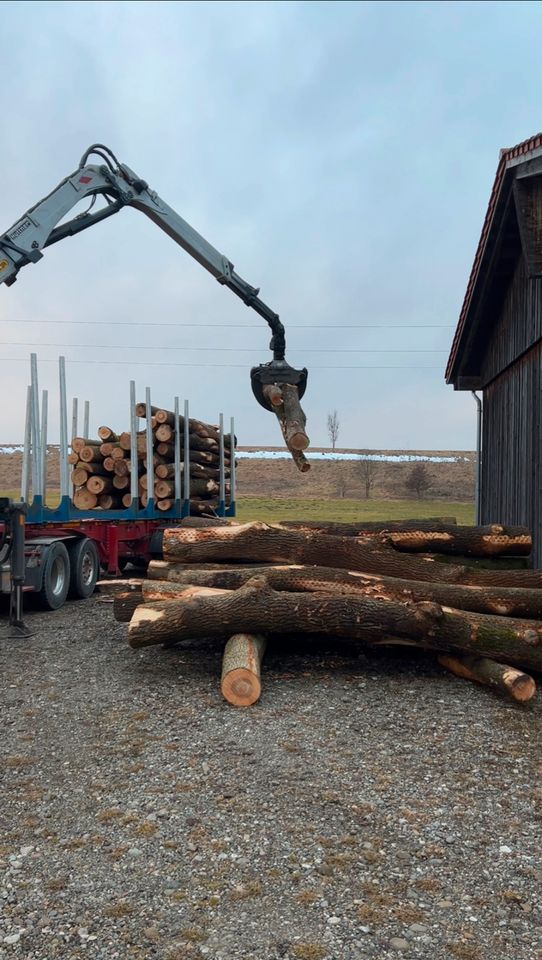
(369,806)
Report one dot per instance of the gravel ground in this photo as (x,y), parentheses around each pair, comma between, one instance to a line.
(367,807)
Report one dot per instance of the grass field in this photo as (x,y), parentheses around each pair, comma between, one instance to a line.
(255,508)
(263,508)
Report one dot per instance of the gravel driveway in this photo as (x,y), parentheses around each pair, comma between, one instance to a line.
(367,807)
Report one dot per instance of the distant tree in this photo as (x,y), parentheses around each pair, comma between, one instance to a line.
(333,427)
(369,470)
(418,480)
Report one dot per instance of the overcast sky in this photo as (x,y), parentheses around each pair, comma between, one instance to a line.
(340,154)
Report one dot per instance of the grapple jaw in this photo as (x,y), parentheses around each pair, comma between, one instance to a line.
(276,371)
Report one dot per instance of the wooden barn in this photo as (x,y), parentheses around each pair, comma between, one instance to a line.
(497,348)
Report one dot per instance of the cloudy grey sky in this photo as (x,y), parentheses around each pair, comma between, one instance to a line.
(341,154)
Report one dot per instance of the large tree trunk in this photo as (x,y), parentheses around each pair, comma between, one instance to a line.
(241,669)
(516,684)
(260,541)
(164,576)
(430,537)
(255,606)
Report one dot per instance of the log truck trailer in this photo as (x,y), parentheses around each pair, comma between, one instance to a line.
(67,552)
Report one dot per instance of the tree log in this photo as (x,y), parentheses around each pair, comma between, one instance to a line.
(292,423)
(241,669)
(107,435)
(254,607)
(164,504)
(83,499)
(73,458)
(260,541)
(109,464)
(96,469)
(273,394)
(78,443)
(108,588)
(518,685)
(100,485)
(108,501)
(106,448)
(425,537)
(90,454)
(118,453)
(500,601)
(294,418)
(121,468)
(125,603)
(168,417)
(121,483)
(127,500)
(80,475)
(166,450)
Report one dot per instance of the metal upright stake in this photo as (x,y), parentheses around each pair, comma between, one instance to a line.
(25,476)
(64,466)
(133,445)
(222,485)
(75,404)
(150,463)
(186,478)
(36,456)
(232,464)
(86,419)
(44,412)
(177,453)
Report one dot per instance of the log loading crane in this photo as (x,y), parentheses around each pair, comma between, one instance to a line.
(45,224)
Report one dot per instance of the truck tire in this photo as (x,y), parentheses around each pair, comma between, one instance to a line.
(84,568)
(56,577)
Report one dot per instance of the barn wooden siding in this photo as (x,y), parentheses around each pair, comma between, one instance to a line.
(518,326)
(511,487)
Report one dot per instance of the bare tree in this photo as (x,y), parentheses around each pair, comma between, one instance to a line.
(418,480)
(333,427)
(369,470)
(341,481)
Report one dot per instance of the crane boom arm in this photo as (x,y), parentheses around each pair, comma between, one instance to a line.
(39,227)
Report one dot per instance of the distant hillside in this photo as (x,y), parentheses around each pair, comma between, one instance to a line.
(269,472)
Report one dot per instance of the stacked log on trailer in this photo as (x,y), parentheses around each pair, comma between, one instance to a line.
(410,583)
(102,468)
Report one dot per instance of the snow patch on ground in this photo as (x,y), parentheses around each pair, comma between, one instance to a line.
(378,457)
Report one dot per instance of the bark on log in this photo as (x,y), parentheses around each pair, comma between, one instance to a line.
(125,603)
(425,537)
(518,685)
(96,469)
(293,430)
(241,669)
(294,418)
(367,528)
(500,601)
(260,541)
(83,499)
(252,608)
(108,588)
(90,454)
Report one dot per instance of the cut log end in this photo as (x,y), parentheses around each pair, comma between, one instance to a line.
(241,688)
(241,668)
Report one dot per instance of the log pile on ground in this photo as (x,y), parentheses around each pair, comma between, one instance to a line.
(102,468)
(368,583)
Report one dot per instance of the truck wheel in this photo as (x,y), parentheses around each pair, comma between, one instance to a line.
(84,568)
(56,577)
